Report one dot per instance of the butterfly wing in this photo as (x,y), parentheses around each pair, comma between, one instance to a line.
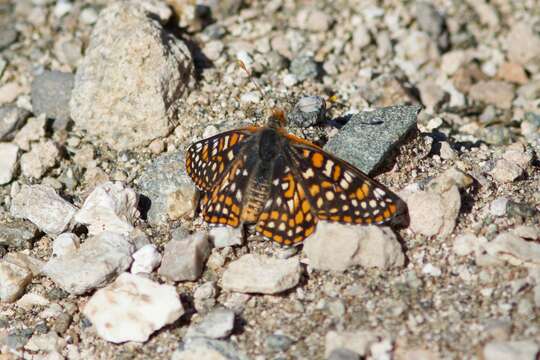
(207,160)
(287,216)
(223,203)
(340,192)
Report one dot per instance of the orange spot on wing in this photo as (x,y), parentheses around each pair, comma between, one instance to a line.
(233,139)
(274,215)
(278,238)
(347,219)
(314,189)
(337,172)
(267,234)
(310,230)
(317,160)
(299,217)
(305,206)
(392,208)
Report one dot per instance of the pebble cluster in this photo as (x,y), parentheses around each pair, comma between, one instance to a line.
(101,255)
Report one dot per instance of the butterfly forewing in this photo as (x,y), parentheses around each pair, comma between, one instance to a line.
(338,191)
(287,216)
(207,160)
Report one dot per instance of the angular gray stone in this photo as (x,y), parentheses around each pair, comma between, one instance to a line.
(217,324)
(308,111)
(44,207)
(164,177)
(51,92)
(95,264)
(127,85)
(254,273)
(18,234)
(12,118)
(184,259)
(368,137)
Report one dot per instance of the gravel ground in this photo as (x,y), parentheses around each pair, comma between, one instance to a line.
(101,256)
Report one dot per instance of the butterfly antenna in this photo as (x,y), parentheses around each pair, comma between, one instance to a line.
(250,75)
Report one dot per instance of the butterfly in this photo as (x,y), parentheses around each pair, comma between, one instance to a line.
(282,183)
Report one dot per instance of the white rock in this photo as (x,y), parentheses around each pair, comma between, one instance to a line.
(65,243)
(62,8)
(452,61)
(357,341)
(44,207)
(146,259)
(28,301)
(511,350)
(431,270)
(97,261)
(216,325)
(26,261)
(254,273)
(112,206)
(184,259)
(132,308)
(41,158)
(465,244)
(527,232)
(49,342)
(498,206)
(223,236)
(337,247)
(9,153)
(506,171)
(129,50)
(513,249)
(32,131)
(13,281)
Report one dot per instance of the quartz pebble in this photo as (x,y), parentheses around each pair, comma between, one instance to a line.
(338,247)
(260,274)
(358,341)
(132,308)
(145,260)
(223,236)
(65,243)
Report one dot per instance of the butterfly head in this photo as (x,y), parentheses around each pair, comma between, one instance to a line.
(277,118)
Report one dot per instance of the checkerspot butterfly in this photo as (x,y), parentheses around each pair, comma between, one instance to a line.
(281,183)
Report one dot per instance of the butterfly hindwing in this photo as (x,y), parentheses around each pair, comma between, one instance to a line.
(338,191)
(287,216)
(207,160)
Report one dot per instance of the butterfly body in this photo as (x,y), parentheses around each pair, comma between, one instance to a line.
(282,183)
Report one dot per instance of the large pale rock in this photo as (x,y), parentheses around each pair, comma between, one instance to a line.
(513,249)
(254,273)
(94,264)
(338,247)
(44,207)
(133,72)
(511,350)
(132,308)
(112,206)
(146,259)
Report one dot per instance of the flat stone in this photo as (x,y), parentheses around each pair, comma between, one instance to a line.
(43,156)
(127,84)
(51,92)
(357,341)
(132,308)
(111,206)
(95,264)
(494,92)
(9,154)
(18,234)
(312,19)
(338,247)
(304,67)
(217,324)
(261,274)
(511,350)
(164,177)
(12,118)
(44,207)
(498,206)
(13,281)
(184,259)
(368,137)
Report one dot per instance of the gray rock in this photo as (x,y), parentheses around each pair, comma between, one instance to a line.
(338,246)
(494,92)
(184,259)
(17,339)
(9,154)
(95,264)
(18,234)
(432,22)
(304,67)
(8,34)
(511,350)
(44,207)
(217,324)
(223,236)
(368,138)
(127,84)
(12,118)
(254,273)
(278,342)
(160,181)
(343,354)
(13,280)
(202,348)
(51,92)
(308,111)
